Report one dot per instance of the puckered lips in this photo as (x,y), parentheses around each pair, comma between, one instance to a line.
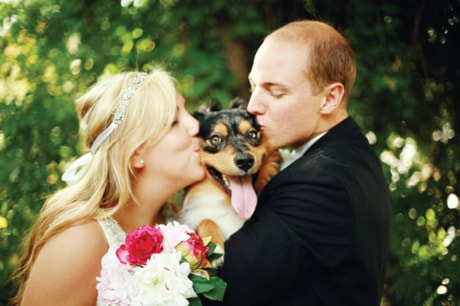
(241,191)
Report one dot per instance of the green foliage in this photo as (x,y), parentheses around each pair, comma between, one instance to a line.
(405,99)
(212,289)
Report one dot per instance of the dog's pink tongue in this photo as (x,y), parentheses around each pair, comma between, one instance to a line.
(244,198)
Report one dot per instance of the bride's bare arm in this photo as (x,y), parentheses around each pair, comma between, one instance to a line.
(66,268)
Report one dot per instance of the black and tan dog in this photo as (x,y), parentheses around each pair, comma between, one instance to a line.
(238,165)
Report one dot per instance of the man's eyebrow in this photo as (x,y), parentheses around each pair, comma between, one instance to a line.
(270,84)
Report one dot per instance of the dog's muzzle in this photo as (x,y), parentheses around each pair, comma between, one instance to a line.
(244,161)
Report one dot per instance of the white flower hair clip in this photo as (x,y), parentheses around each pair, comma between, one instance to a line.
(80,166)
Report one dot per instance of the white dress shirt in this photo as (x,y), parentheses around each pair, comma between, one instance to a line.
(288,157)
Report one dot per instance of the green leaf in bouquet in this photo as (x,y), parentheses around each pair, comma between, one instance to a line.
(195,302)
(211,255)
(218,291)
(201,284)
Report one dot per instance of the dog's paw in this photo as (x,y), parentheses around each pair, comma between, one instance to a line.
(270,167)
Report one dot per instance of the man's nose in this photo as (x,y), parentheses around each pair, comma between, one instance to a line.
(254,104)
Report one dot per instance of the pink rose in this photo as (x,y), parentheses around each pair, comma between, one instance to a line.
(194,251)
(140,245)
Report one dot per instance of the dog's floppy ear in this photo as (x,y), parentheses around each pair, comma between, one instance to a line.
(211,107)
(215,106)
(200,113)
(203,108)
(237,103)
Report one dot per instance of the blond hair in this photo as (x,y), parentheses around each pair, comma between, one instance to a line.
(330,56)
(106,187)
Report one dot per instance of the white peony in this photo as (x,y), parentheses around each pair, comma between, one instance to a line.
(162,281)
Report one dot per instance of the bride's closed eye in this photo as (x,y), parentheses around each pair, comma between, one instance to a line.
(176,118)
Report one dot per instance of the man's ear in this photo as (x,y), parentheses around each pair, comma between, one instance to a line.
(332,98)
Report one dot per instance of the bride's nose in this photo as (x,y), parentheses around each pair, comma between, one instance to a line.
(194,126)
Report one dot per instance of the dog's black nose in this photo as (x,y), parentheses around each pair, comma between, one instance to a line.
(244,161)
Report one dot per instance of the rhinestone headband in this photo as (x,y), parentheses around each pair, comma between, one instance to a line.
(79,167)
(119,113)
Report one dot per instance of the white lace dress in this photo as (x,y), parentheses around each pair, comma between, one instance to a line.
(115,237)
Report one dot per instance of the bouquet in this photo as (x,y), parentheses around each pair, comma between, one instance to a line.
(161,265)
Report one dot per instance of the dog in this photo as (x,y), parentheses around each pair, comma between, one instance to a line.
(237,163)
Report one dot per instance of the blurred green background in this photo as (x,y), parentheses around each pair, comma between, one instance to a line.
(406,99)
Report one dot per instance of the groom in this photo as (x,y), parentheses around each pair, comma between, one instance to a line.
(319,235)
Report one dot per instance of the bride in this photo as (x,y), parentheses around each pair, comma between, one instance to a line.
(143,149)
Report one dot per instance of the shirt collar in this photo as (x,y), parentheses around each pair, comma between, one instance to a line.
(288,157)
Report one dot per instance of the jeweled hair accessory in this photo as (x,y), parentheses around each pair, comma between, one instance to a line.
(79,167)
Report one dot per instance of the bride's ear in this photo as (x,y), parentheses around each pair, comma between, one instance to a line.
(332,98)
(137,161)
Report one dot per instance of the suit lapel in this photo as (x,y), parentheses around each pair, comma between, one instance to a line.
(345,129)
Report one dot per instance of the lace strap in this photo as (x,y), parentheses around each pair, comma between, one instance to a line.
(113,232)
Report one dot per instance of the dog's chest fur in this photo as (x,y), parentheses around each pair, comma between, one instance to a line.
(207,203)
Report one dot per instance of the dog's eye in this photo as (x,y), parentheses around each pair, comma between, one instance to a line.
(252,135)
(216,140)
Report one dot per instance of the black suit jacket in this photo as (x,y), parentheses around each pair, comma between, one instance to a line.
(319,235)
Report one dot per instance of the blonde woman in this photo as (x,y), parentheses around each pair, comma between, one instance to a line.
(143,149)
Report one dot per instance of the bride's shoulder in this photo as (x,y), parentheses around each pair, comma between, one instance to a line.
(82,241)
(70,260)
(84,233)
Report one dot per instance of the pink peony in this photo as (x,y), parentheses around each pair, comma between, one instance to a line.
(173,233)
(140,245)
